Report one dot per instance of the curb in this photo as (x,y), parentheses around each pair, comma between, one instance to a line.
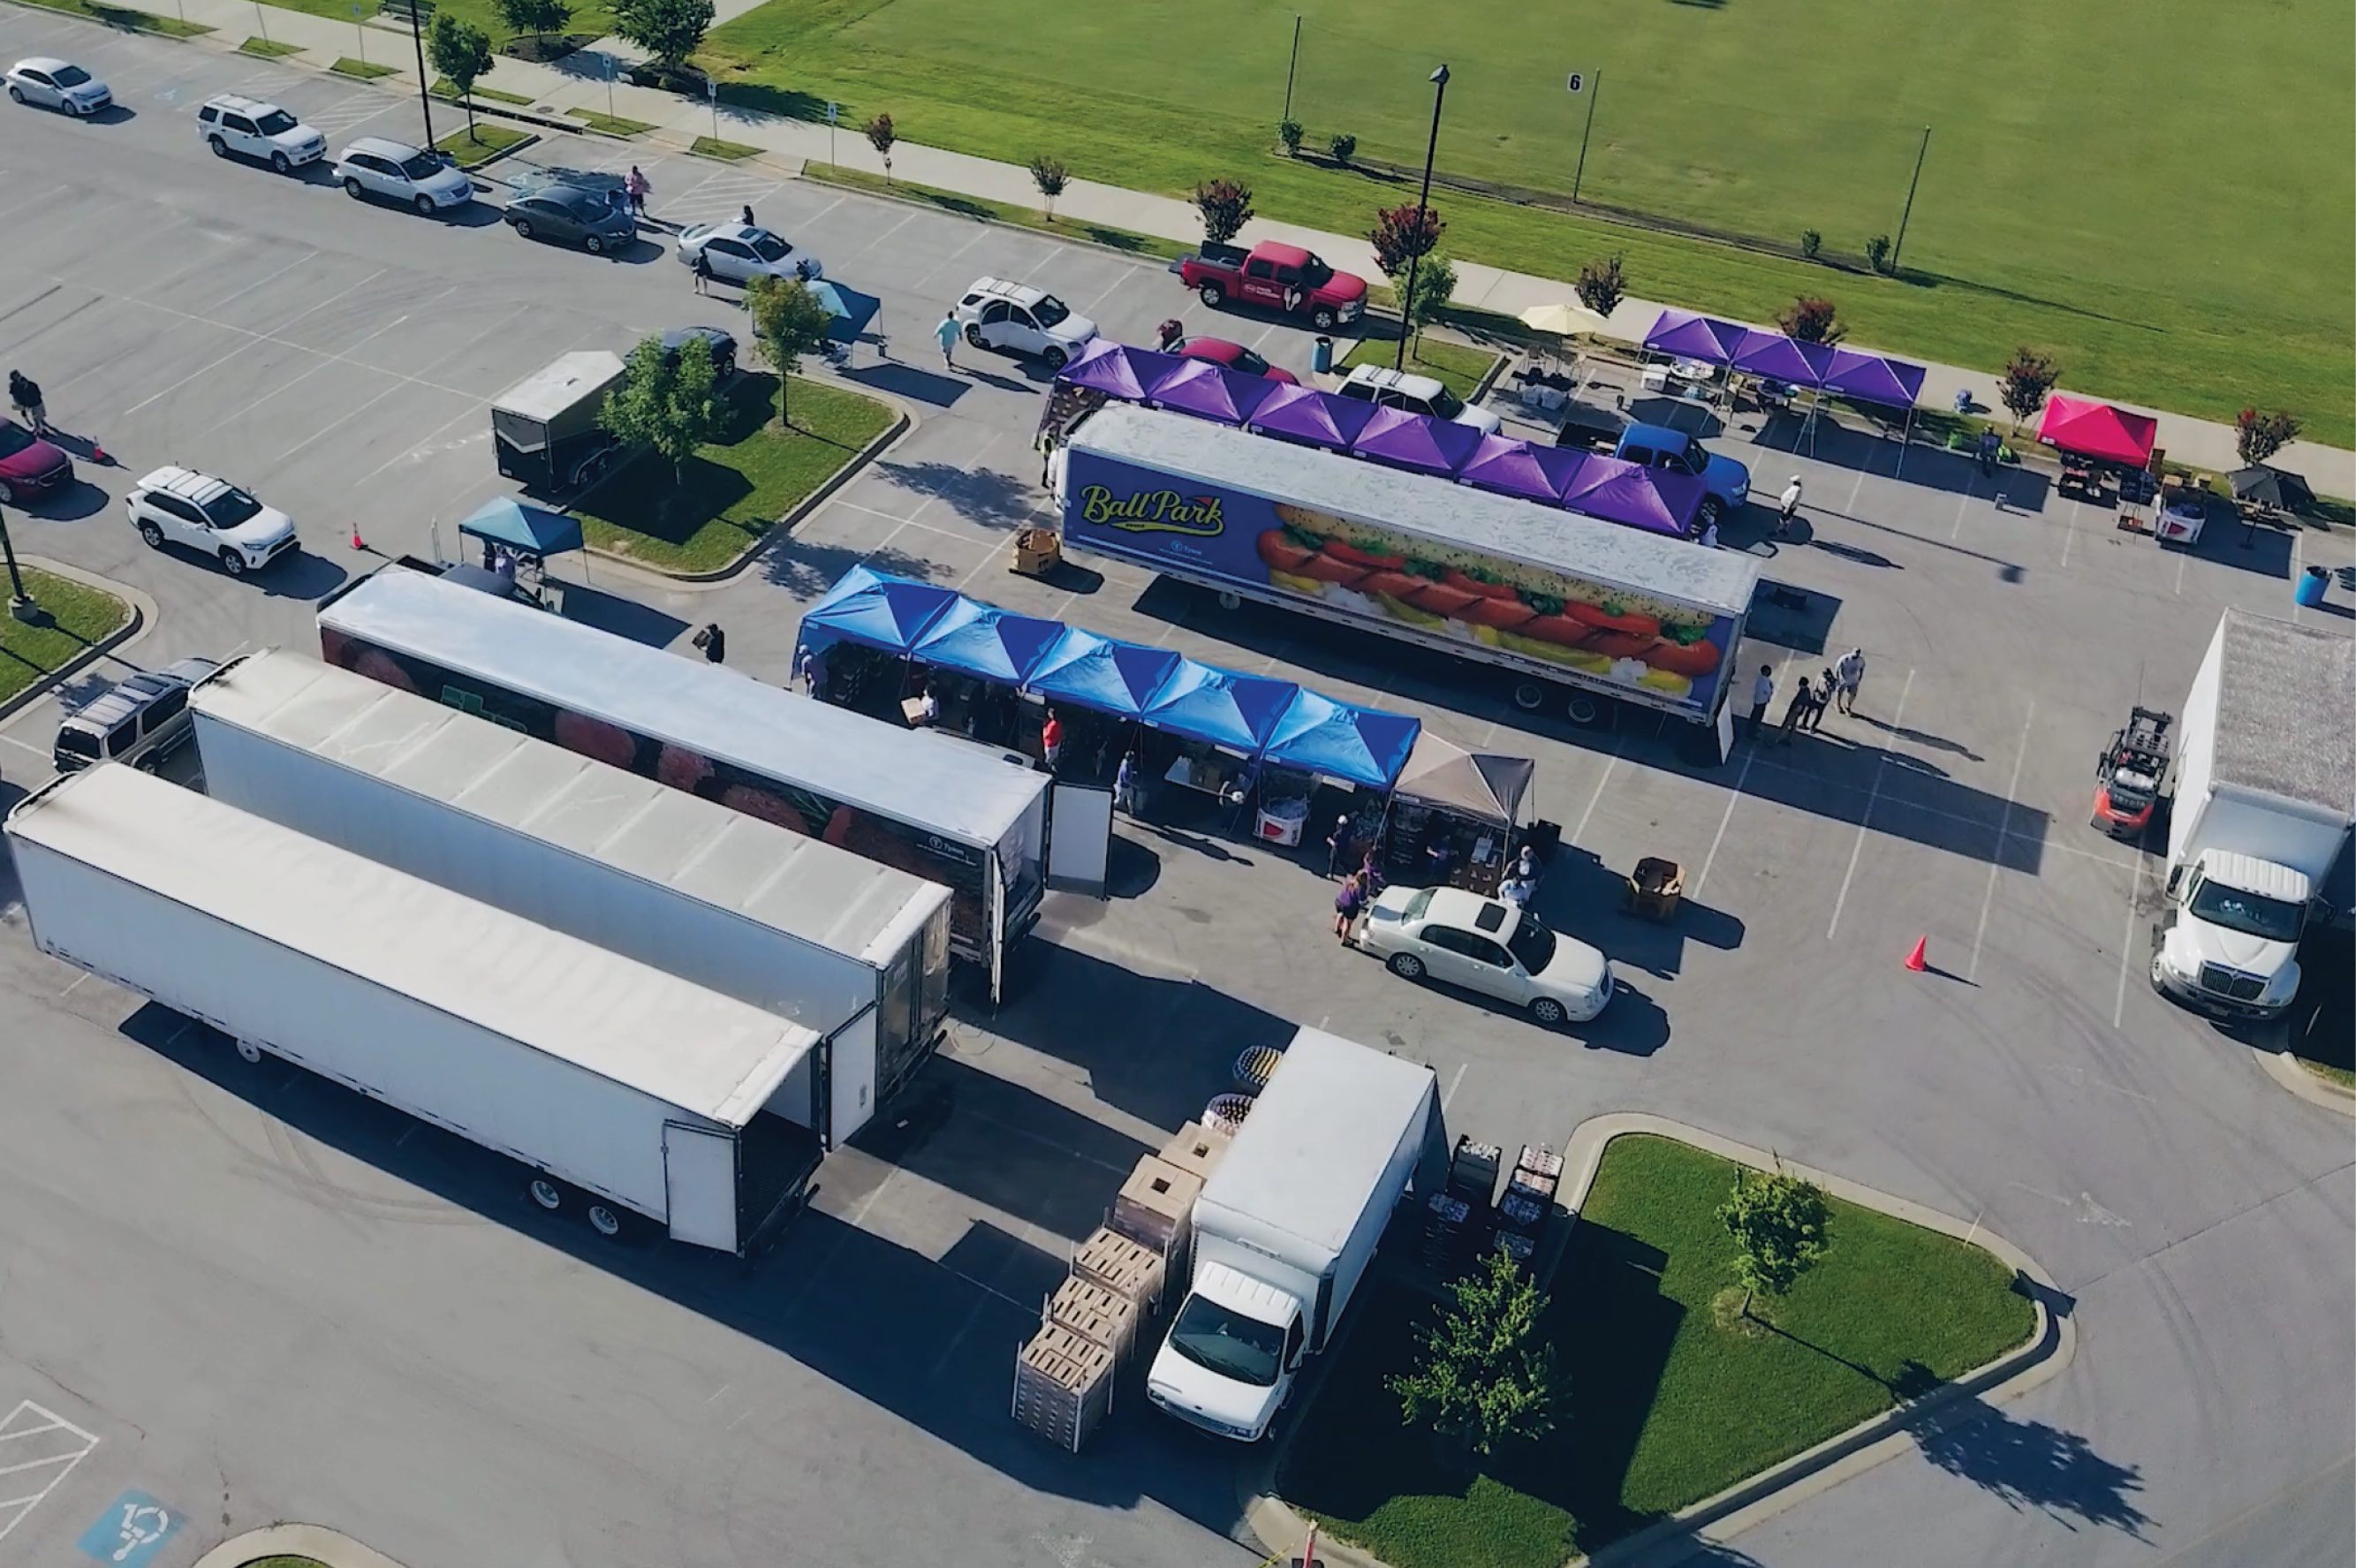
(1158,263)
(142,621)
(1716,1520)
(327,1546)
(208,32)
(783,526)
(2283,1068)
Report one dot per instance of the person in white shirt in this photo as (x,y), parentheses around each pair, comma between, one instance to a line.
(1762,692)
(1847,675)
(1787,507)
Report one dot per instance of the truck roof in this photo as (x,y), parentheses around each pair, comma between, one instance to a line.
(1452,515)
(2286,711)
(1319,1138)
(610,1016)
(963,791)
(1282,254)
(553,388)
(783,880)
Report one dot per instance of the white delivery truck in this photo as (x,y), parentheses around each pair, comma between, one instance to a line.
(1285,1229)
(857,952)
(2258,830)
(621,1090)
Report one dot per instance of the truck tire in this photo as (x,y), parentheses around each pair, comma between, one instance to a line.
(1231,601)
(2155,985)
(248,1052)
(1324,319)
(546,1194)
(1211,293)
(1529,695)
(605,1220)
(1588,711)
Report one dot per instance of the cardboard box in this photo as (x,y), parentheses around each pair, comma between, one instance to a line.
(1195,1150)
(1063,1386)
(1156,1205)
(1094,1314)
(1123,1266)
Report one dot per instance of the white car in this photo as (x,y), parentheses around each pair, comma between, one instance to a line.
(180,506)
(1417,394)
(49,83)
(740,252)
(252,128)
(1016,318)
(373,165)
(1488,946)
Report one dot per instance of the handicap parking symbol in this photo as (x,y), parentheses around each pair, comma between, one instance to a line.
(134,1528)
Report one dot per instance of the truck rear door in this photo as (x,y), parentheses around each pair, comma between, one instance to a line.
(699,1180)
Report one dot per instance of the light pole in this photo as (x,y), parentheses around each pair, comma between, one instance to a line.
(1422,214)
(21,602)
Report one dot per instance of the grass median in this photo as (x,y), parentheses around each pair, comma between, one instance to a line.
(362,69)
(473,148)
(268,48)
(999,211)
(74,616)
(734,490)
(123,17)
(1459,367)
(1672,1398)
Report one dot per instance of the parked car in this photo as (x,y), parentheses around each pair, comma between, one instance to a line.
(1488,945)
(141,721)
(1417,394)
(49,83)
(574,217)
(1016,318)
(1659,447)
(30,466)
(1277,276)
(397,171)
(1234,356)
(739,253)
(254,129)
(180,506)
(724,347)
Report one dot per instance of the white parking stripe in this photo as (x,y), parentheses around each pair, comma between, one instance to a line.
(2003,830)
(1865,818)
(55,1457)
(256,338)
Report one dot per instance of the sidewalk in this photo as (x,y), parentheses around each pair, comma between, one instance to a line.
(580,81)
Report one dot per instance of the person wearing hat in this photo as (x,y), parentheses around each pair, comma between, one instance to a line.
(1787,507)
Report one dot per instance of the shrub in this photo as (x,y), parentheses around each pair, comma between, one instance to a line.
(2258,436)
(1435,286)
(1343,148)
(1050,176)
(881,135)
(1811,320)
(1289,132)
(1602,285)
(2028,377)
(1226,207)
(1403,233)
(1877,253)
(1812,244)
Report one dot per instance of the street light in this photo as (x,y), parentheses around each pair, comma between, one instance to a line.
(21,602)
(1422,211)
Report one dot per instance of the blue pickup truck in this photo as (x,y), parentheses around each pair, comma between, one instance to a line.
(1658,446)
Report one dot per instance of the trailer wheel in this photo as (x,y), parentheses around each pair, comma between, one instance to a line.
(1228,601)
(247,1051)
(546,1194)
(1587,711)
(604,1220)
(1529,695)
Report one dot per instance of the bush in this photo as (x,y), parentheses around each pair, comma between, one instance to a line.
(1435,286)
(1812,244)
(1602,285)
(1810,320)
(881,135)
(2028,377)
(1877,253)
(1290,133)
(1226,207)
(1403,233)
(1344,149)
(2258,436)
(1050,176)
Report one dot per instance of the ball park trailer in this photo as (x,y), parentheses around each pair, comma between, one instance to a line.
(621,1090)
(547,429)
(937,807)
(856,951)
(1615,615)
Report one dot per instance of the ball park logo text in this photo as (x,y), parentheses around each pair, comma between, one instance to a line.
(1152,511)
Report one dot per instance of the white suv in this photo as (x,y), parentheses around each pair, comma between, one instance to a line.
(209,515)
(1417,394)
(260,130)
(1019,319)
(373,165)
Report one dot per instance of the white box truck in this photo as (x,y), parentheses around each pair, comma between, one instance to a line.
(1286,1227)
(857,952)
(621,1090)
(2258,828)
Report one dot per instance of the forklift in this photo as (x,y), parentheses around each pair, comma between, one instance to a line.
(2128,774)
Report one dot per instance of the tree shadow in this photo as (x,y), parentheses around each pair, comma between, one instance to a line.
(986,496)
(759,97)
(2033,1465)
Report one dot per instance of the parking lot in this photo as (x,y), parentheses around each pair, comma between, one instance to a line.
(319,1312)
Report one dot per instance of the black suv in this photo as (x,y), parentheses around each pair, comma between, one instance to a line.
(141,721)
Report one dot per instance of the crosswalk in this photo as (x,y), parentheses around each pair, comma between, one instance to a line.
(38,1449)
(717,199)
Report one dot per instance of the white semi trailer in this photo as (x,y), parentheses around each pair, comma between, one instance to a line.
(619,1088)
(856,950)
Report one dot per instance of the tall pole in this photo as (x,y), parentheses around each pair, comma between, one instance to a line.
(418,11)
(21,602)
(1920,154)
(1595,91)
(1292,65)
(1422,215)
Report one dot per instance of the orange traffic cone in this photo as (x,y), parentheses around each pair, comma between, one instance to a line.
(356,543)
(1916,961)
(98,454)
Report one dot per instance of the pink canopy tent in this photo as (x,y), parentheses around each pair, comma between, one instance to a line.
(2098,430)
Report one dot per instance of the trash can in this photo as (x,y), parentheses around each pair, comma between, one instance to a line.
(2311,584)
(1320,356)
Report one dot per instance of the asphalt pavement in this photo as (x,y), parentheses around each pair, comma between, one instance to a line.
(242,1283)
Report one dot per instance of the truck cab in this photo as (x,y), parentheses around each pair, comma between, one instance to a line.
(1230,1359)
(1659,447)
(2233,947)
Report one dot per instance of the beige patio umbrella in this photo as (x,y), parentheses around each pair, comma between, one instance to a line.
(1562,320)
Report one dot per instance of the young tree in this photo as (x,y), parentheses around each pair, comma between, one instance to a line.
(669,404)
(462,52)
(1050,176)
(1811,320)
(1290,133)
(1403,233)
(1877,253)
(1778,1223)
(2028,377)
(790,322)
(2258,436)
(537,17)
(1435,286)
(671,30)
(881,135)
(1343,148)
(1226,207)
(1483,1376)
(1602,285)
(1812,244)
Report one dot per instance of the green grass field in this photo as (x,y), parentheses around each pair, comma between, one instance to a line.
(78,617)
(2186,244)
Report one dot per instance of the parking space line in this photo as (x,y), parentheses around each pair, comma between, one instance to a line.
(301,348)
(337,424)
(2127,943)
(1897,722)
(1597,799)
(69,1452)
(2003,829)
(918,287)
(262,282)
(905,219)
(322,365)
(242,348)
(2069,531)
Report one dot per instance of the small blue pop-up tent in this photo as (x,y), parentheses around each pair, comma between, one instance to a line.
(981,639)
(1205,702)
(889,613)
(1357,746)
(847,310)
(1099,673)
(531,530)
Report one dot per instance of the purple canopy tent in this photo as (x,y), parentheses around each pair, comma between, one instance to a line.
(1634,496)
(1512,467)
(1210,392)
(1311,418)
(1416,442)
(1869,378)
(1695,337)
(1777,358)
(1118,370)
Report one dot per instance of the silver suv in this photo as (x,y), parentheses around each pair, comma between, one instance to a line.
(142,721)
(263,132)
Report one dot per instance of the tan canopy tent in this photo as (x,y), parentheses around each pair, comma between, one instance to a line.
(1481,785)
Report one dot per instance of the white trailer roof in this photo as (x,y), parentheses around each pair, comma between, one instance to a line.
(777,878)
(619,1019)
(1438,509)
(550,390)
(2286,711)
(963,791)
(1319,1138)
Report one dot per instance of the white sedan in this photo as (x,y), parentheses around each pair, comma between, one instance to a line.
(739,253)
(1484,945)
(56,84)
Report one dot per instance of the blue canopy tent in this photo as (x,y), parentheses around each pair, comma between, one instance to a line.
(1364,746)
(847,310)
(529,529)
(1205,702)
(889,613)
(1097,673)
(979,640)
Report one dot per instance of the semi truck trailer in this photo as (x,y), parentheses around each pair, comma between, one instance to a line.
(619,1090)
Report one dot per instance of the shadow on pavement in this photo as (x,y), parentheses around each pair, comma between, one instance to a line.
(987,496)
(2033,1465)
(907,380)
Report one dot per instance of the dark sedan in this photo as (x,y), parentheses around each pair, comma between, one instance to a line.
(573,216)
(724,347)
(30,467)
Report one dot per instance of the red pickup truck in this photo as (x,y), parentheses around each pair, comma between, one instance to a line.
(1279,277)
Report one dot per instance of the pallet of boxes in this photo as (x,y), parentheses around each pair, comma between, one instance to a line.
(1064,1377)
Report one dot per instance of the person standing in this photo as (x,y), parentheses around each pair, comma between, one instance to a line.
(1124,783)
(1347,903)
(1803,701)
(25,393)
(1762,692)
(1171,333)
(703,269)
(1847,675)
(1051,740)
(1787,507)
(1337,845)
(714,641)
(946,335)
(1819,700)
(1989,446)
(747,218)
(637,187)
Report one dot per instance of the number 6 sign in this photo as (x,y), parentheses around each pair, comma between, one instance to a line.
(1576,83)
